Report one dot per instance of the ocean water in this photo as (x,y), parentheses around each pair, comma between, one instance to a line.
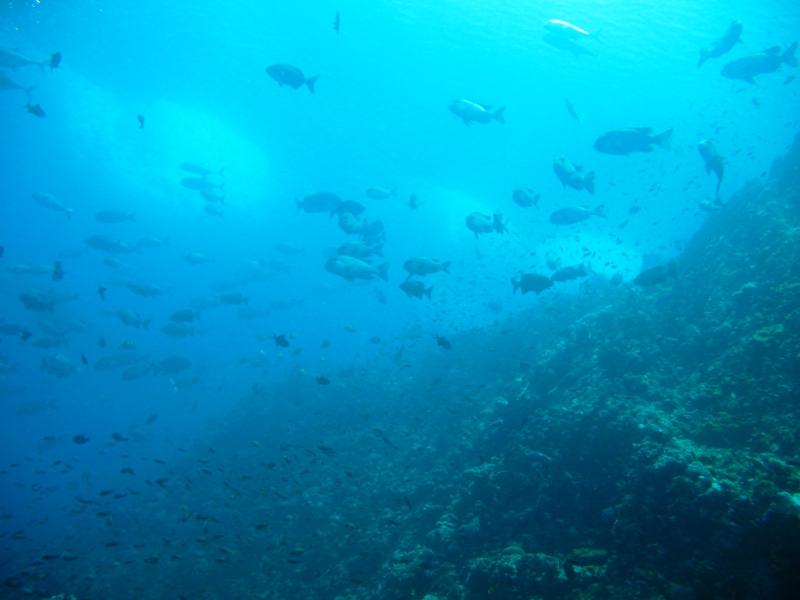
(192,405)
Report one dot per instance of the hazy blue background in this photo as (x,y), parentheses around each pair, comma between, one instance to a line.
(379,117)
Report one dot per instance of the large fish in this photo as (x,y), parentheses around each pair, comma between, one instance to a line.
(722,45)
(469,111)
(351,268)
(713,160)
(321,202)
(479,223)
(574,176)
(421,265)
(572,214)
(566,36)
(531,282)
(769,61)
(291,76)
(627,141)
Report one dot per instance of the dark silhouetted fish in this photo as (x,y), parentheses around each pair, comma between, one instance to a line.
(769,61)
(713,161)
(531,282)
(626,141)
(469,112)
(416,289)
(291,76)
(722,45)
(573,176)
(572,214)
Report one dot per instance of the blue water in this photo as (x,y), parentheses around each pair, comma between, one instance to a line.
(379,118)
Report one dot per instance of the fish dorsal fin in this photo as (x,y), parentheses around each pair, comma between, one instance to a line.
(773,50)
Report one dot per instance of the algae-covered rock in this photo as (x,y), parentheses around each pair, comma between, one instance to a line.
(767,334)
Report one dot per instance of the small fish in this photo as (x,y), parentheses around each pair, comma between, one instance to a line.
(469,111)
(84,360)
(336,22)
(443,342)
(322,380)
(571,110)
(36,110)
(525,198)
(119,437)
(140,120)
(413,202)
(723,45)
(234,299)
(80,439)
(531,282)
(101,291)
(281,341)
(55,60)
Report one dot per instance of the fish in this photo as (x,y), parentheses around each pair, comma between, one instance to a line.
(416,289)
(133,319)
(336,22)
(421,265)
(184,315)
(626,141)
(118,437)
(479,223)
(380,193)
(531,282)
(195,258)
(177,330)
(281,340)
(525,198)
(55,271)
(101,292)
(81,439)
(201,170)
(572,214)
(213,196)
(568,273)
(201,184)
(713,160)
(145,290)
(769,61)
(9,85)
(469,111)
(38,301)
(350,224)
(289,250)
(234,299)
(58,365)
(563,35)
(55,60)
(322,380)
(443,342)
(291,76)
(36,110)
(413,202)
(351,268)
(114,216)
(49,202)
(656,275)
(109,245)
(723,45)
(574,176)
(565,29)
(360,250)
(321,202)
(140,120)
(571,110)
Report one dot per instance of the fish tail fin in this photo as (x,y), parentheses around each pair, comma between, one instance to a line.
(58,271)
(383,271)
(665,139)
(588,182)
(428,291)
(704,55)
(311,82)
(788,57)
(446,267)
(498,115)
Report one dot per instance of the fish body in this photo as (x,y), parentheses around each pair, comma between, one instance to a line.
(337,22)
(351,268)
(769,61)
(531,282)
(146,290)
(54,271)
(195,258)
(416,289)
(36,110)
(571,110)
(350,224)
(58,365)
(114,216)
(352,207)
(723,45)
(574,176)
(38,302)
(321,202)
(172,365)
(291,76)
(565,29)
(184,315)
(573,214)
(568,273)
(50,202)
(200,184)
(656,275)
(626,141)
(360,250)
(177,330)
(108,244)
(421,265)
(713,160)
(525,198)
(469,112)
(234,299)
(132,319)
(479,223)
(380,193)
